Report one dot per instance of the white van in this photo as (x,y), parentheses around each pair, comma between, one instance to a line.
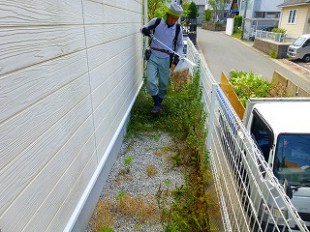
(300,49)
(281,130)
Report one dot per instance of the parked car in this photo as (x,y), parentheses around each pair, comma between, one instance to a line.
(269,28)
(300,48)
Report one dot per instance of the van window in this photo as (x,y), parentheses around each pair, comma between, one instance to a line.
(292,159)
(307,43)
(261,134)
(299,41)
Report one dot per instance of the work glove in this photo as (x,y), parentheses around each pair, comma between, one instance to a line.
(146,32)
(175,59)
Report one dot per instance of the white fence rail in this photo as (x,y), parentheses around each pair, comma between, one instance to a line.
(278,37)
(251,198)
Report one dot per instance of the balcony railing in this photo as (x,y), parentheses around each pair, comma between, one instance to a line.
(278,37)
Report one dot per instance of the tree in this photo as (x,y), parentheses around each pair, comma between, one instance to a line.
(192,11)
(218,6)
(157,8)
(208,15)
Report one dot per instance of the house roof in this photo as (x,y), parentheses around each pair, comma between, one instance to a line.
(294,3)
(200,2)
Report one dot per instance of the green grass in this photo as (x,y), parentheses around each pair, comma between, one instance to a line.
(236,35)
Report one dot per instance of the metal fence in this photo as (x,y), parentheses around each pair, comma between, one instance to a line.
(251,198)
(278,37)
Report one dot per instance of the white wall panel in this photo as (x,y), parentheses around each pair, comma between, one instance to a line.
(24,88)
(68,146)
(62,216)
(22,130)
(40,12)
(21,171)
(134,6)
(69,70)
(103,33)
(95,13)
(118,68)
(106,116)
(103,52)
(32,45)
(76,155)
(108,129)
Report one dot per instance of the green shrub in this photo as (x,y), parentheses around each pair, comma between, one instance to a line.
(208,15)
(279,30)
(218,24)
(237,21)
(248,85)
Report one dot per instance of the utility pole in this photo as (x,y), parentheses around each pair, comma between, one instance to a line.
(243,19)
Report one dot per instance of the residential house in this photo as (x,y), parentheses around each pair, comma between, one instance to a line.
(258,14)
(69,74)
(295,17)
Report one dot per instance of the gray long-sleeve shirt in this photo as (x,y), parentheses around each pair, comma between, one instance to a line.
(166,35)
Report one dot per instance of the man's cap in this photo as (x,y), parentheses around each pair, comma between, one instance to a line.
(175,9)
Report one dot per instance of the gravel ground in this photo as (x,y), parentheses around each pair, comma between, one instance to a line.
(140,212)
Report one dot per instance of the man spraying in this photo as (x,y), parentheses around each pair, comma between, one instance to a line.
(158,65)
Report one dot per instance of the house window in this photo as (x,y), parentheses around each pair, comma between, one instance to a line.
(292,16)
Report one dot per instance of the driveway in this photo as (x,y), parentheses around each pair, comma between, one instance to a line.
(224,53)
(298,65)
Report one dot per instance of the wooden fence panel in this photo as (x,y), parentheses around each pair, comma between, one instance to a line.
(232,96)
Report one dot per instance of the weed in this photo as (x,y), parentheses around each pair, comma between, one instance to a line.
(168,182)
(157,137)
(136,207)
(177,159)
(277,89)
(106,229)
(165,151)
(128,160)
(151,170)
(120,195)
(273,54)
(103,216)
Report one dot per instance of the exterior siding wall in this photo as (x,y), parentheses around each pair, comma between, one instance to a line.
(68,73)
(296,29)
(306,29)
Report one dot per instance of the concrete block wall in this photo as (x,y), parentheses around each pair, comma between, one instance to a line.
(267,46)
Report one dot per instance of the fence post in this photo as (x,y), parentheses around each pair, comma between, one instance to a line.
(211,116)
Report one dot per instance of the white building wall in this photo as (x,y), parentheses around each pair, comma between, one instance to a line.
(69,71)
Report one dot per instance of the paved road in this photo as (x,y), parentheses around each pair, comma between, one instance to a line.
(224,53)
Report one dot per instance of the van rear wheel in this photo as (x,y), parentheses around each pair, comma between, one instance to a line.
(306,58)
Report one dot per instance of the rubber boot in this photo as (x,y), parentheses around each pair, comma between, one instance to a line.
(157,106)
(160,100)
